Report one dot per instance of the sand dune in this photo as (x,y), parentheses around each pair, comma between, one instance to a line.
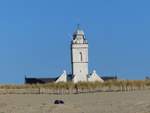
(105,102)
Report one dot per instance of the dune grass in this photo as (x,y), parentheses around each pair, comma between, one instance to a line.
(81,87)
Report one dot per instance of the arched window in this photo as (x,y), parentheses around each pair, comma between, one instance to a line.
(81,57)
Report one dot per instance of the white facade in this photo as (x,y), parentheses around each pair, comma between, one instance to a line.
(95,78)
(62,78)
(79,55)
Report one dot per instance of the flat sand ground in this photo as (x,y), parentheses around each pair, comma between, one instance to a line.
(104,102)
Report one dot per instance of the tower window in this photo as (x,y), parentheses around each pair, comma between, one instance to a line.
(81,57)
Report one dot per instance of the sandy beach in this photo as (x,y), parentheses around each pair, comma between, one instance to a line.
(104,102)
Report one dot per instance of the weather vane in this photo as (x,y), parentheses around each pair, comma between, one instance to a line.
(78,26)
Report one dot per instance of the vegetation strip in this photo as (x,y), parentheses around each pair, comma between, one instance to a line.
(71,88)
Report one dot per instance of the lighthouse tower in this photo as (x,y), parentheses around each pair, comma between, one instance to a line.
(79,56)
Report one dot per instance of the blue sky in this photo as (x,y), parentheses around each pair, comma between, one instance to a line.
(35,37)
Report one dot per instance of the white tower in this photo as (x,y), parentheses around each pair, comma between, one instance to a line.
(79,56)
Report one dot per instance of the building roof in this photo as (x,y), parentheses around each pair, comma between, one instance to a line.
(32,80)
(79,37)
(79,31)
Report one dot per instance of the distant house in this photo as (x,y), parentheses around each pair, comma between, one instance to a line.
(147,78)
(69,78)
(63,78)
(39,80)
(107,78)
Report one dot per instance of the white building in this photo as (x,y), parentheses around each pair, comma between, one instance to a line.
(79,63)
(79,60)
(79,57)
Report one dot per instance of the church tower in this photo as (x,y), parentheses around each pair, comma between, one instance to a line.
(79,56)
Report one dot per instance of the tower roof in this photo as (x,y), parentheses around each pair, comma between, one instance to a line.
(78,36)
(79,31)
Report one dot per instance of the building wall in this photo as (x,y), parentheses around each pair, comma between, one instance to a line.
(94,77)
(62,78)
(80,72)
(79,50)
